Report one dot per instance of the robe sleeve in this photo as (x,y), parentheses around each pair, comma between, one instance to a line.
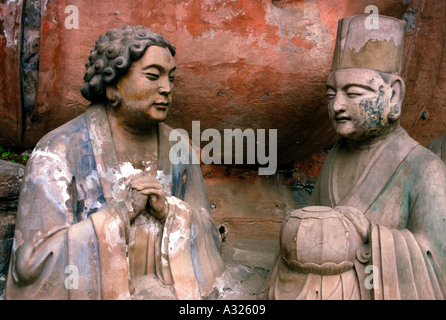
(438,146)
(56,252)
(411,262)
(53,257)
(190,247)
(205,237)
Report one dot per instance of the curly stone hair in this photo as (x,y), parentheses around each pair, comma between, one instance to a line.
(113,55)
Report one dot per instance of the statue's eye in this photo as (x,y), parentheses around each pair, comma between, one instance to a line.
(331,95)
(358,91)
(172,75)
(354,94)
(152,76)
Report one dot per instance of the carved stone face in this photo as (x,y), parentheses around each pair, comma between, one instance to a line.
(146,90)
(360,105)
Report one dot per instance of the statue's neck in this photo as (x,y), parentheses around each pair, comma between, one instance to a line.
(128,131)
(371,141)
(139,147)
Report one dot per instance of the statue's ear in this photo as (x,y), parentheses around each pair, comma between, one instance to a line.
(113,96)
(398,90)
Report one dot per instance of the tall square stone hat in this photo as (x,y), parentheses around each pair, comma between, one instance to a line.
(360,46)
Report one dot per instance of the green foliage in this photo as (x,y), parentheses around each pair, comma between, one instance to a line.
(13,155)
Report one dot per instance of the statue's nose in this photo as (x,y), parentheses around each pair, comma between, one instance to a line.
(165,87)
(338,104)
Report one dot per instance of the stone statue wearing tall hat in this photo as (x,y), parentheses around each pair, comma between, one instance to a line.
(375,227)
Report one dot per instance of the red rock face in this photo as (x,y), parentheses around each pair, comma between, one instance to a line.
(241,64)
(10,26)
(424,71)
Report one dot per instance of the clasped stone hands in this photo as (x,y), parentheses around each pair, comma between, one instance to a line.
(147,195)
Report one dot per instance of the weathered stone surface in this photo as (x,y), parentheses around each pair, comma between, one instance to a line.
(146,287)
(5,253)
(7,224)
(248,264)
(10,102)
(241,64)
(367,205)
(11,175)
(254,64)
(248,206)
(424,71)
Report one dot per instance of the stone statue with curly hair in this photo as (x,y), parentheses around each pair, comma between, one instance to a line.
(102,209)
(113,55)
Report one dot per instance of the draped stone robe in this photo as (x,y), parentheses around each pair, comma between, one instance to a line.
(438,146)
(71,178)
(401,189)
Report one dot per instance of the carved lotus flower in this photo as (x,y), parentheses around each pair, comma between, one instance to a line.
(319,240)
